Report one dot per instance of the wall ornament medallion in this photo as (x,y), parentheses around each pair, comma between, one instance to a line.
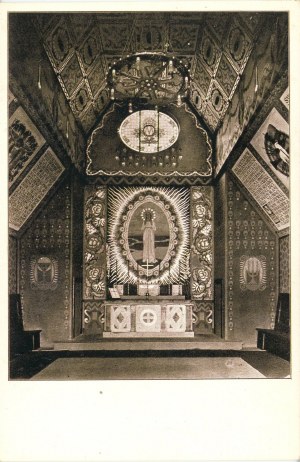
(253,273)
(44,273)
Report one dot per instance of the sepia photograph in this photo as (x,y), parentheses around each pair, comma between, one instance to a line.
(150,229)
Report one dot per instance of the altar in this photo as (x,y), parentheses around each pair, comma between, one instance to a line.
(146,263)
(154,318)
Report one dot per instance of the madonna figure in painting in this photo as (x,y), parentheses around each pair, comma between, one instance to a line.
(149,228)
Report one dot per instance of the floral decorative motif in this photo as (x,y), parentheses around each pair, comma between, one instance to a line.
(201,248)
(201,279)
(22,144)
(94,251)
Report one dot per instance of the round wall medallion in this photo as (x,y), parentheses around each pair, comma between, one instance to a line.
(149,131)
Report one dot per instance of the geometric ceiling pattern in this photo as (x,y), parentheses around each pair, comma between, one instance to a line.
(81,48)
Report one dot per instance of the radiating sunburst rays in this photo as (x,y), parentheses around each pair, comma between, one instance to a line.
(177,199)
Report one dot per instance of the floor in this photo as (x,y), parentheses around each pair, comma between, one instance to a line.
(147,364)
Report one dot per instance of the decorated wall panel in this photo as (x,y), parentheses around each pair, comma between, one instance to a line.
(148,236)
(268,195)
(263,69)
(93,317)
(35,84)
(46,270)
(251,266)
(284,264)
(202,243)
(190,155)
(32,190)
(271,142)
(12,265)
(203,317)
(94,247)
(24,141)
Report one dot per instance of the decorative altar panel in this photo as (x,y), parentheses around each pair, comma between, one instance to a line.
(148,320)
(148,236)
(94,245)
(201,261)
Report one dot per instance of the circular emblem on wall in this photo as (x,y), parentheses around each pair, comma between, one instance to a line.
(149,131)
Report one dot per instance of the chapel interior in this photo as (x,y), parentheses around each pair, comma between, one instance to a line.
(148,194)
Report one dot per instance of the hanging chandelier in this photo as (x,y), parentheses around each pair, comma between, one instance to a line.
(148,78)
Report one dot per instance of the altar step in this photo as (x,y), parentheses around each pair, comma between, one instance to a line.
(97,342)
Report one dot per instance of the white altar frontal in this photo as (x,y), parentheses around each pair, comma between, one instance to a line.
(152,318)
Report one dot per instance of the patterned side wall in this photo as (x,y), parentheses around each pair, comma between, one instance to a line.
(251,283)
(45,270)
(12,265)
(263,70)
(284,264)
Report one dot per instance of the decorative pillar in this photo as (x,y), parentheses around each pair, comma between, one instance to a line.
(202,257)
(94,251)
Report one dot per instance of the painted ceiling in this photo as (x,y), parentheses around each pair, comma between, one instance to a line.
(215,48)
(59,98)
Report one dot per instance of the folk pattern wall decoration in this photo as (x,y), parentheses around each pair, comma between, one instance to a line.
(285,98)
(284,264)
(93,316)
(199,44)
(12,265)
(238,45)
(230,253)
(55,108)
(184,38)
(188,156)
(251,258)
(58,44)
(45,264)
(23,143)
(95,243)
(32,190)
(264,66)
(266,192)
(149,37)
(202,317)
(44,272)
(253,274)
(66,242)
(201,243)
